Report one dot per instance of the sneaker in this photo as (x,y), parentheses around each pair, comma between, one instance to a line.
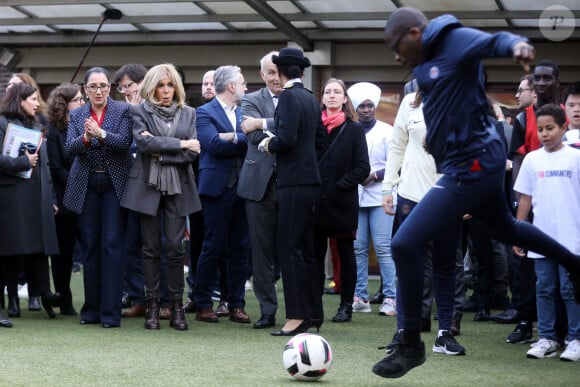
(388,307)
(390,348)
(522,334)
(361,306)
(446,343)
(544,348)
(572,352)
(401,360)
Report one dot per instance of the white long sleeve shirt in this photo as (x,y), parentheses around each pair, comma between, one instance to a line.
(378,139)
(407,153)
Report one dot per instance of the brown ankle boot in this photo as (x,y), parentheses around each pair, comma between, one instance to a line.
(178,316)
(152,314)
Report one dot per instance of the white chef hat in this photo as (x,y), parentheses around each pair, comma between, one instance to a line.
(360,92)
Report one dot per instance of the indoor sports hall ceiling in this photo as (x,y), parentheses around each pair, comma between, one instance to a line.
(145,22)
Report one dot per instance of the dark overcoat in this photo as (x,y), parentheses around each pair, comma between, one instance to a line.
(26,205)
(343,164)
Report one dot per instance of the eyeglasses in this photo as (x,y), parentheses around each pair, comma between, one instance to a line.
(545,77)
(120,88)
(521,90)
(103,86)
(395,46)
(78,100)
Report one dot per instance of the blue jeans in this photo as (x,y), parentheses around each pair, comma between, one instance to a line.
(374,223)
(549,275)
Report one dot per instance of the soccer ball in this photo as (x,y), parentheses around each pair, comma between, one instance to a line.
(307,357)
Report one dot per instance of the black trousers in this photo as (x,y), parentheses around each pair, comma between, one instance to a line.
(300,270)
(61,265)
(345,249)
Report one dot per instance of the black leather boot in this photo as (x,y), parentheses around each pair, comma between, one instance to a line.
(46,300)
(178,316)
(152,314)
(13,307)
(344,313)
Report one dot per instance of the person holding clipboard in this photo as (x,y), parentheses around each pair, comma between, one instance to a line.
(27,201)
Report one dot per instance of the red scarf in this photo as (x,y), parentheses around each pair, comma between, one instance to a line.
(333,121)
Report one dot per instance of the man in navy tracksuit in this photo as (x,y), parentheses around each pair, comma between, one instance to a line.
(446,60)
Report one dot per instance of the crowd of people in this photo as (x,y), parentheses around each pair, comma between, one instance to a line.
(263,181)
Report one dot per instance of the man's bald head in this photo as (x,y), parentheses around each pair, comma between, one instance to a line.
(401,21)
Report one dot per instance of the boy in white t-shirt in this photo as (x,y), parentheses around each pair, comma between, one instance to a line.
(549,183)
(572,106)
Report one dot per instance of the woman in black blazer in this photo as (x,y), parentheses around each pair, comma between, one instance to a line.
(61,101)
(343,162)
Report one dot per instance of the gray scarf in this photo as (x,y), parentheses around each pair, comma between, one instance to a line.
(164,178)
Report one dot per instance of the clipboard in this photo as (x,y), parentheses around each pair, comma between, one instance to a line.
(15,136)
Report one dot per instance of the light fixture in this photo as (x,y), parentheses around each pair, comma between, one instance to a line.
(9,58)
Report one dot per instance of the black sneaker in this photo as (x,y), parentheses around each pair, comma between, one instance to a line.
(401,360)
(394,343)
(447,344)
(522,334)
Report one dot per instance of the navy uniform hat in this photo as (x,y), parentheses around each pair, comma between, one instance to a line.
(291,56)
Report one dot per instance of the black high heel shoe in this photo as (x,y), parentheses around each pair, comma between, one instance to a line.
(304,326)
(316,322)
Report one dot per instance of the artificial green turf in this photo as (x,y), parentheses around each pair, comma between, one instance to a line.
(60,352)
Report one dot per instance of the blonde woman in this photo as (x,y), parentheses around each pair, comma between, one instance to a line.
(161,185)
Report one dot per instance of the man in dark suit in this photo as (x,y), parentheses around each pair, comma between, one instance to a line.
(226,230)
(258,186)
(196,219)
(297,121)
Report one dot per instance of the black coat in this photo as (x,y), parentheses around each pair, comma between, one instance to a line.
(26,205)
(343,164)
(297,121)
(59,164)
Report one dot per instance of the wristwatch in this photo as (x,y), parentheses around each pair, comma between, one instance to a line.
(103,134)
